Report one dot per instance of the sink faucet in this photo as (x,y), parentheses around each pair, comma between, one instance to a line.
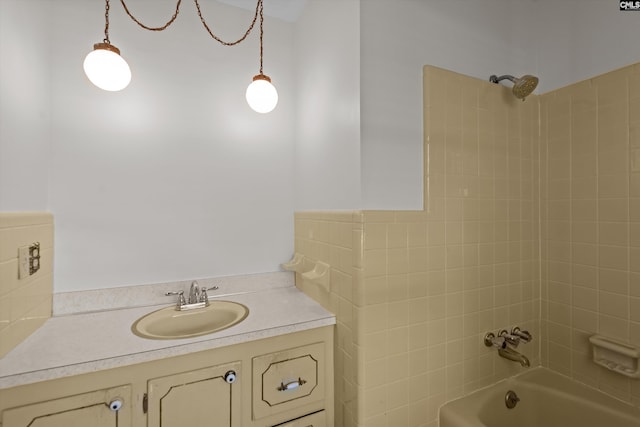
(194,293)
(198,297)
(511,354)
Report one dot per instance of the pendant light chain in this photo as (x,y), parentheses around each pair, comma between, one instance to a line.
(259,8)
(106,22)
(241,39)
(164,27)
(261,33)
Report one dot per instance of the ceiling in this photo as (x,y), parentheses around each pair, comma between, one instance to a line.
(287,10)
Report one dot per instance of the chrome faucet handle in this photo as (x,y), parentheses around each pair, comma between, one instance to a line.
(509,338)
(490,340)
(181,300)
(523,335)
(204,297)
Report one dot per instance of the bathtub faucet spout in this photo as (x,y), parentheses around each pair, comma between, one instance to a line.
(511,354)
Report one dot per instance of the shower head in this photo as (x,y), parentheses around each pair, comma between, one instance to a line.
(522,87)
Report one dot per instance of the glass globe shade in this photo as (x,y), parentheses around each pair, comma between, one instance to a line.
(261,95)
(106,69)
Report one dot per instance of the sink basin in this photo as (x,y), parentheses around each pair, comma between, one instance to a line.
(169,323)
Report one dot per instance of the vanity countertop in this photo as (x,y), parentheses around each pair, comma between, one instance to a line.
(80,343)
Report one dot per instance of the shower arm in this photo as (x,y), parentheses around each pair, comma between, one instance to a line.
(495,79)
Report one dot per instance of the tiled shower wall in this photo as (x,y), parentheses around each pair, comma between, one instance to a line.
(591,215)
(25,304)
(336,238)
(422,288)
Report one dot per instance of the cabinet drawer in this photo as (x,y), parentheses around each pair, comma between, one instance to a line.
(288,379)
(314,420)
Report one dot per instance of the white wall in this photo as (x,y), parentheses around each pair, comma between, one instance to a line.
(580,39)
(327,151)
(560,41)
(25,104)
(175,177)
(476,38)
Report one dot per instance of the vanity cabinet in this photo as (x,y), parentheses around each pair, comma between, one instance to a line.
(285,380)
(105,408)
(209,396)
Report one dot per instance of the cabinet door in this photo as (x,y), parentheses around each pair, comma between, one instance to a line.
(87,409)
(204,397)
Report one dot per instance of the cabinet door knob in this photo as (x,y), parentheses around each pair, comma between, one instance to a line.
(230,377)
(115,405)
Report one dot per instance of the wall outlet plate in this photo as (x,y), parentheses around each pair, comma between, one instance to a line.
(28,260)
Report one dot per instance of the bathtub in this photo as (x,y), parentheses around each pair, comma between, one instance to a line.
(547,399)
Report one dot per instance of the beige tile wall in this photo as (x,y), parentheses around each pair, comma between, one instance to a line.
(424,311)
(422,288)
(25,304)
(591,212)
(336,239)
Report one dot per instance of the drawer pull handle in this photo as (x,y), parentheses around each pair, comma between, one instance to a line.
(291,385)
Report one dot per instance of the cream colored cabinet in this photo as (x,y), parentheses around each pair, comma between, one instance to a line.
(285,380)
(204,397)
(102,408)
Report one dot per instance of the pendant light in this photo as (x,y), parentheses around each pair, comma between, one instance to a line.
(106,69)
(261,95)
(104,66)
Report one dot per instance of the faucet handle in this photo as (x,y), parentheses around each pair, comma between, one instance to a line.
(510,339)
(204,297)
(181,300)
(523,335)
(490,340)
